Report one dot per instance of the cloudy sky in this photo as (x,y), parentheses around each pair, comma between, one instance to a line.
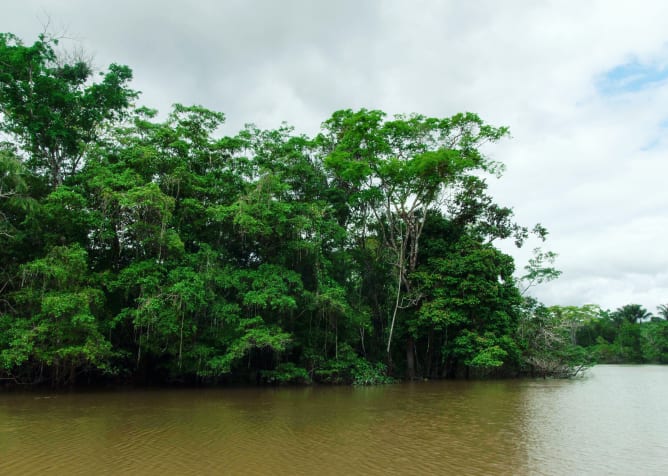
(583,85)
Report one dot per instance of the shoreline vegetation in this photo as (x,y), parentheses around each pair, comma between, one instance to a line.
(142,251)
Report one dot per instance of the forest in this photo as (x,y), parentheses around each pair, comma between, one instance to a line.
(149,251)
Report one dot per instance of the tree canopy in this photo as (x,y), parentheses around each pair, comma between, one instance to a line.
(136,249)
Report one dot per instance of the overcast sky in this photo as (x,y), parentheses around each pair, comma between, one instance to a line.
(583,86)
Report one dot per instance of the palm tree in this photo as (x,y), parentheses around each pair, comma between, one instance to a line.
(632,313)
(663,311)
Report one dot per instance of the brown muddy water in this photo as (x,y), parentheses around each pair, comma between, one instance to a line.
(612,421)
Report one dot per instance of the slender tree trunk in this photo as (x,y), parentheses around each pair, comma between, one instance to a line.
(181,341)
(141,328)
(362,341)
(397,301)
(336,338)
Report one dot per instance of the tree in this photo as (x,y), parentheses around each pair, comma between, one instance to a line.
(547,336)
(13,187)
(165,251)
(573,318)
(654,344)
(51,107)
(57,329)
(395,171)
(469,301)
(628,342)
(631,313)
(540,268)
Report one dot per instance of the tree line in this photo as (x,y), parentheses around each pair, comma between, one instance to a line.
(142,250)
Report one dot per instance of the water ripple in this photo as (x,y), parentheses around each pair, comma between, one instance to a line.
(477,428)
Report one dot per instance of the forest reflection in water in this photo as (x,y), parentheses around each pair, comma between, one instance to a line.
(613,421)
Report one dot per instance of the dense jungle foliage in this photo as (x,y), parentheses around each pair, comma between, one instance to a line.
(139,250)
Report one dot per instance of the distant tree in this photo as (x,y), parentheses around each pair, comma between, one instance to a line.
(663,311)
(655,341)
(573,318)
(633,313)
(628,342)
(547,336)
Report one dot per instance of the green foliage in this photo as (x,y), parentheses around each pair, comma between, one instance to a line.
(548,339)
(286,372)
(348,367)
(60,327)
(479,351)
(654,342)
(164,251)
(51,107)
(368,373)
(627,335)
(250,334)
(13,188)
(539,269)
(663,311)
(631,313)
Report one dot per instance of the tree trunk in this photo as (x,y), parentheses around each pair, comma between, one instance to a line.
(73,374)
(410,358)
(429,356)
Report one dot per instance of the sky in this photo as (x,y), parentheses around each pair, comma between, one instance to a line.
(583,86)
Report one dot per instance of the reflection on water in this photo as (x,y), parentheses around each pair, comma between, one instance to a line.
(613,422)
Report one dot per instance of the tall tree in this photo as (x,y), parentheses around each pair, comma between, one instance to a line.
(396,170)
(468,309)
(50,106)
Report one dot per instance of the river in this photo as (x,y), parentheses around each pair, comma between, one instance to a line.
(612,421)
